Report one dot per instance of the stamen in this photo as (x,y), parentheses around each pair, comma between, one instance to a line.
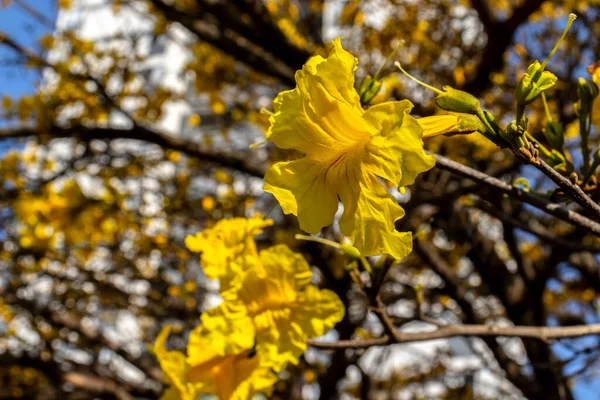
(326,242)
(387,60)
(257,144)
(438,91)
(572,17)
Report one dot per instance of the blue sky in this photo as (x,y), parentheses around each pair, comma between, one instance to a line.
(14,80)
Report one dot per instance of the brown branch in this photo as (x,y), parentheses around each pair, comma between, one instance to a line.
(455,288)
(543,333)
(553,209)
(34,13)
(492,58)
(263,32)
(142,134)
(242,50)
(97,384)
(569,188)
(485,15)
(527,227)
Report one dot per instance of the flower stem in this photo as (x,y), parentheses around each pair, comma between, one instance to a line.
(572,17)
(546,109)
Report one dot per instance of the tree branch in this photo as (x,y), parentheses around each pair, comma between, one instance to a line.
(146,135)
(543,333)
(553,209)
(527,227)
(571,189)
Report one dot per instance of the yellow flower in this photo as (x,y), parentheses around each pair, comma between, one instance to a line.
(596,104)
(347,150)
(231,377)
(174,367)
(275,308)
(236,376)
(225,242)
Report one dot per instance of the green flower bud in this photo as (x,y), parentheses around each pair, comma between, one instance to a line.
(491,120)
(586,95)
(458,101)
(554,134)
(557,161)
(594,89)
(597,156)
(350,250)
(369,88)
(533,83)
(515,133)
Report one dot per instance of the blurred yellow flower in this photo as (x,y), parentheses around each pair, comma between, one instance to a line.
(236,376)
(225,242)
(347,150)
(275,308)
(174,370)
(231,377)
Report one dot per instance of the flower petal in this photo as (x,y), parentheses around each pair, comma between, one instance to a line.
(369,216)
(174,368)
(292,128)
(317,311)
(336,73)
(323,112)
(227,328)
(225,242)
(596,103)
(396,153)
(302,189)
(282,276)
(283,343)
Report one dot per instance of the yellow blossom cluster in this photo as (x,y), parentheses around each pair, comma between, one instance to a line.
(269,311)
(286,14)
(62,215)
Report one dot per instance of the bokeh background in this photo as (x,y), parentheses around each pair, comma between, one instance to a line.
(125,125)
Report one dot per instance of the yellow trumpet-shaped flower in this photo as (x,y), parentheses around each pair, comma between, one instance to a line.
(275,309)
(596,103)
(224,243)
(347,150)
(231,377)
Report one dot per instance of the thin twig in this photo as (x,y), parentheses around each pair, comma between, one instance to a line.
(553,209)
(571,189)
(520,224)
(543,333)
(142,134)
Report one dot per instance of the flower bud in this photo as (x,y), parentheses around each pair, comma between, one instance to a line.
(597,156)
(458,101)
(586,95)
(350,250)
(533,83)
(554,134)
(369,88)
(557,161)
